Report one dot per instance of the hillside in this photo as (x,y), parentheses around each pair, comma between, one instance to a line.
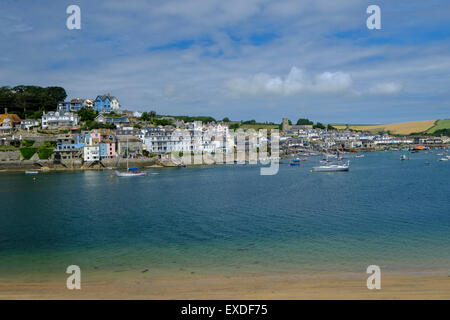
(403,128)
(440,125)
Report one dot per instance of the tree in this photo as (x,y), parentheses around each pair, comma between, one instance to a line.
(304,121)
(234,126)
(330,127)
(226,119)
(58,93)
(87,114)
(146,116)
(319,125)
(162,122)
(25,99)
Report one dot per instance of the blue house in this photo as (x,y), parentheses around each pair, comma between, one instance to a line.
(74,105)
(106,103)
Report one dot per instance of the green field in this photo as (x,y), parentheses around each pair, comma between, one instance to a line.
(440,124)
(256,126)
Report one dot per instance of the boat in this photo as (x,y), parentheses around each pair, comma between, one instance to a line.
(131,172)
(359,156)
(31,172)
(295,162)
(333,167)
(403,156)
(443,159)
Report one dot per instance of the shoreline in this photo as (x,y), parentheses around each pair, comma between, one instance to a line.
(419,285)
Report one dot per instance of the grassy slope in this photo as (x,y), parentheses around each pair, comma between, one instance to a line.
(440,124)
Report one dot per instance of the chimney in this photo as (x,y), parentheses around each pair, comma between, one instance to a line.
(6,110)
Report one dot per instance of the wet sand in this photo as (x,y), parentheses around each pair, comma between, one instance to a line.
(419,285)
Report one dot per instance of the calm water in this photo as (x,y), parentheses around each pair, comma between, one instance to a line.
(229,219)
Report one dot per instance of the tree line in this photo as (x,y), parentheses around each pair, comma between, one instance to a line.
(30,101)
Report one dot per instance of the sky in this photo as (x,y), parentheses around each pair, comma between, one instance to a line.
(242,59)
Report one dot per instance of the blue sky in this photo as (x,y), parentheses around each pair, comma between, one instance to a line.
(253,59)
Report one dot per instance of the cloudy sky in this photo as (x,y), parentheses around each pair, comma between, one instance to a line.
(245,59)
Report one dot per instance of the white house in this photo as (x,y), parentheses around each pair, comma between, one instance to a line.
(59,119)
(91,149)
(29,123)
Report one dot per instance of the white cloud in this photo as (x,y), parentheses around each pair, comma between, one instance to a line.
(296,82)
(386,88)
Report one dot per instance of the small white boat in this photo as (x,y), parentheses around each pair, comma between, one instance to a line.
(359,156)
(333,167)
(132,172)
(31,172)
(443,159)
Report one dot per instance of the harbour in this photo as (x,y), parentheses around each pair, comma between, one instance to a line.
(179,223)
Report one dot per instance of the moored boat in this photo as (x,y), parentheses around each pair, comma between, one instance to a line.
(333,167)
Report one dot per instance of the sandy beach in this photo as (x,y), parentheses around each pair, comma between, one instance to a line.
(419,285)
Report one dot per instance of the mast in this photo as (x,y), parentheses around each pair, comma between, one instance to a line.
(127,155)
(326,141)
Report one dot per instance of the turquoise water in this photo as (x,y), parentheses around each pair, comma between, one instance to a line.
(229,219)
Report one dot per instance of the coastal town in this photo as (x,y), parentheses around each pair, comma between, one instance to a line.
(99,133)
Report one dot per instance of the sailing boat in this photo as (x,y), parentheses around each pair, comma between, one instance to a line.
(403,156)
(339,166)
(131,172)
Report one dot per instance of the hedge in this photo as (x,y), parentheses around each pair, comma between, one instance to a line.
(28,152)
(28,143)
(45,153)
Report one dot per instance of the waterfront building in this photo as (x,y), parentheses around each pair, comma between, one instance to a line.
(91,149)
(130,146)
(69,147)
(157,139)
(106,103)
(193,137)
(59,119)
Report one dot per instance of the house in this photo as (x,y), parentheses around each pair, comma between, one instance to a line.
(8,122)
(29,123)
(107,149)
(157,139)
(106,103)
(91,149)
(59,119)
(69,147)
(6,127)
(101,118)
(133,145)
(127,113)
(128,132)
(75,105)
